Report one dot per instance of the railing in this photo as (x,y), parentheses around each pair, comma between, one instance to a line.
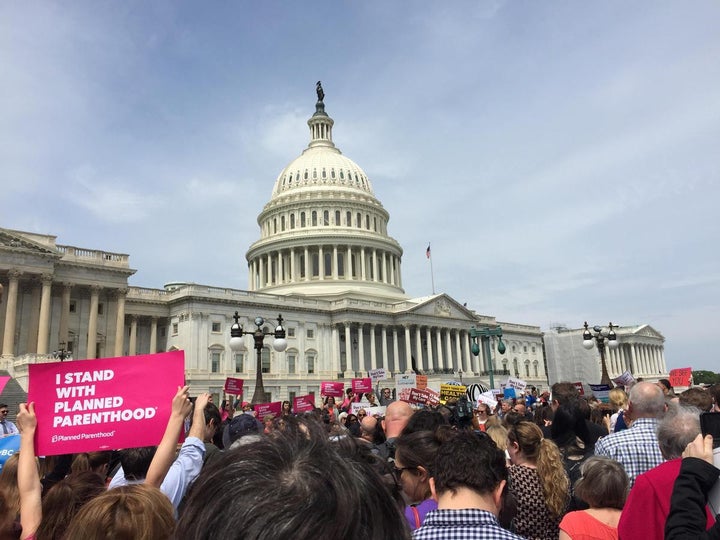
(94,256)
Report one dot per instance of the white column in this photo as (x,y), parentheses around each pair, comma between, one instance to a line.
(395,363)
(132,346)
(92,325)
(44,321)
(384,267)
(348,351)
(8,349)
(460,359)
(408,352)
(361,348)
(292,265)
(375,265)
(633,358)
(307,265)
(348,269)
(269,280)
(153,335)
(261,277)
(448,348)
(428,341)
(64,314)
(335,263)
(281,268)
(392,269)
(441,356)
(335,369)
(383,334)
(373,356)
(362,264)
(418,347)
(321,263)
(120,323)
(467,353)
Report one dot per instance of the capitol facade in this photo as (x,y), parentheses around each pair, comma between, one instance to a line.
(324,260)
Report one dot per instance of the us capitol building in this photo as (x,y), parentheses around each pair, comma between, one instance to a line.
(324,260)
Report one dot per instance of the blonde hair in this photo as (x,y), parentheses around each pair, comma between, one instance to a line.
(137,512)
(618,399)
(499,435)
(9,484)
(545,455)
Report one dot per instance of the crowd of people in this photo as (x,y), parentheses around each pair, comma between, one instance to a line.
(553,466)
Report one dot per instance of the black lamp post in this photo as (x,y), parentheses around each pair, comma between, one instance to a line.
(601,338)
(485,334)
(237,344)
(62,354)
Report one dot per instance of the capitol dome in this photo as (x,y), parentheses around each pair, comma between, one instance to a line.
(324,233)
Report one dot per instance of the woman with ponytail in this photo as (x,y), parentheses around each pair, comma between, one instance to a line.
(538,480)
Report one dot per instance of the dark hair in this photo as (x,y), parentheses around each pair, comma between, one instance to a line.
(64,500)
(211,412)
(424,420)
(284,487)
(468,460)
(136,461)
(567,426)
(604,483)
(419,449)
(562,392)
(89,461)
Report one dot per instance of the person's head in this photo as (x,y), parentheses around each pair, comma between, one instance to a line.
(677,429)
(397,415)
(4,410)
(618,399)
(330,401)
(65,499)
(499,434)
(136,461)
(414,457)
(603,484)
(386,394)
(367,427)
(665,386)
(506,405)
(8,483)
(714,391)
(370,397)
(286,408)
(483,469)
(138,511)
(242,429)
(285,487)
(520,408)
(247,407)
(568,425)
(698,398)
(91,461)
(362,413)
(562,392)
(646,401)
(212,420)
(524,439)
(424,420)
(483,411)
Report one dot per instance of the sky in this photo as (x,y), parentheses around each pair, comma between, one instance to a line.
(561,158)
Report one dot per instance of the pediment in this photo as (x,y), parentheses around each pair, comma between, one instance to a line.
(647,331)
(16,242)
(441,305)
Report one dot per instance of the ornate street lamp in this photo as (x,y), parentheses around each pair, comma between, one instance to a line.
(62,354)
(486,334)
(237,344)
(601,338)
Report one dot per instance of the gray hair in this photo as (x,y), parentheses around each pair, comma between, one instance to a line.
(677,429)
(647,400)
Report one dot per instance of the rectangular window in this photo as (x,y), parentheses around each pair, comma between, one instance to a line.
(291,363)
(162,331)
(265,360)
(310,333)
(239,362)
(291,332)
(73,306)
(174,329)
(216,327)
(101,309)
(310,364)
(215,362)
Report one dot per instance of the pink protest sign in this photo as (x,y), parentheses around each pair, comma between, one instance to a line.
(303,404)
(3,382)
(104,404)
(332,389)
(362,385)
(233,386)
(263,409)
(681,376)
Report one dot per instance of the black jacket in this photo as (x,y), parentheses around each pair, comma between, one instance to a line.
(687,518)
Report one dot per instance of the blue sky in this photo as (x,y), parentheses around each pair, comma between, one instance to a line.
(561,157)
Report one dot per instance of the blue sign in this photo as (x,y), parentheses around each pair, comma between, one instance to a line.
(8,446)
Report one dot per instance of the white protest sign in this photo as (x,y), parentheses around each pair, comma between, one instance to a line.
(404,382)
(626,379)
(372,411)
(379,374)
(488,398)
(518,384)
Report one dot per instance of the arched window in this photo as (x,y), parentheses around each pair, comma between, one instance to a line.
(348,219)
(292,221)
(282,223)
(326,218)
(314,218)
(265,360)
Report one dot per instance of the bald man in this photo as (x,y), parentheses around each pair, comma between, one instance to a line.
(397,415)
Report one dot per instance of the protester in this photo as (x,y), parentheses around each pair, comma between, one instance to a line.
(469,496)
(286,409)
(9,484)
(414,457)
(331,408)
(241,430)
(603,486)
(293,485)
(636,448)
(687,519)
(537,480)
(618,403)
(386,397)
(570,434)
(648,504)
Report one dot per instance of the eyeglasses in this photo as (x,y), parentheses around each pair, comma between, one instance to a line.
(3,412)
(360,415)
(399,470)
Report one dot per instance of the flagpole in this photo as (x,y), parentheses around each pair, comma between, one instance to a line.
(432,274)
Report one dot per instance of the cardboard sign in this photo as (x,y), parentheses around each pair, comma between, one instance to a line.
(424,396)
(420,382)
(509,393)
(372,411)
(602,392)
(263,409)
(332,389)
(379,374)
(303,404)
(681,376)
(234,387)
(517,384)
(361,386)
(103,404)
(626,379)
(488,398)
(8,446)
(448,391)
